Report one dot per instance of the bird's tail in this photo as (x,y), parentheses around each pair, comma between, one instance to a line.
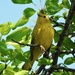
(36,54)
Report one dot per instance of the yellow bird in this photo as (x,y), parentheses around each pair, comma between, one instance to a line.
(42,35)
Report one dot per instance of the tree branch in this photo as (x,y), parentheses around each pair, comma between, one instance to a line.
(32,45)
(56,23)
(71,35)
(67,52)
(62,35)
(42,67)
(66,69)
(59,68)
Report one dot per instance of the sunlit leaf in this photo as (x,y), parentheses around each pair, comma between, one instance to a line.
(67,73)
(17,46)
(28,12)
(1,67)
(5,28)
(57,73)
(23,20)
(23,72)
(53,6)
(9,72)
(21,1)
(3,48)
(19,34)
(66,3)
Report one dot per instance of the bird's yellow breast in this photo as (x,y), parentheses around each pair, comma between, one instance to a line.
(43,35)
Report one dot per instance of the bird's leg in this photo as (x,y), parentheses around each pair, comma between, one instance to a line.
(42,49)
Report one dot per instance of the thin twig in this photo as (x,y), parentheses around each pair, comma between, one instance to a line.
(31,45)
(60,68)
(56,23)
(66,69)
(67,52)
(71,35)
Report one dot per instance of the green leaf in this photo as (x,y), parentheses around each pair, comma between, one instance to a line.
(16,68)
(19,34)
(20,57)
(72,26)
(1,67)
(9,72)
(44,61)
(55,17)
(23,72)
(67,73)
(73,19)
(28,12)
(16,62)
(66,3)
(57,73)
(21,1)
(3,48)
(68,43)
(23,20)
(5,28)
(3,59)
(56,36)
(16,45)
(62,56)
(53,6)
(26,54)
(69,60)
(52,49)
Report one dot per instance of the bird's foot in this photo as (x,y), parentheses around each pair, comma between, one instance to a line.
(42,48)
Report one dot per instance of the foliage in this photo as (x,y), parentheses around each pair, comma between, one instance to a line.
(14,55)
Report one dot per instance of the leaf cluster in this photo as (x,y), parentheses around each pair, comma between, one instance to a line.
(13,52)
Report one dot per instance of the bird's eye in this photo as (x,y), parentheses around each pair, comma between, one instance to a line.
(44,16)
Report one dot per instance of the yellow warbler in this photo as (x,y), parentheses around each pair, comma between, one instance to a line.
(42,34)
